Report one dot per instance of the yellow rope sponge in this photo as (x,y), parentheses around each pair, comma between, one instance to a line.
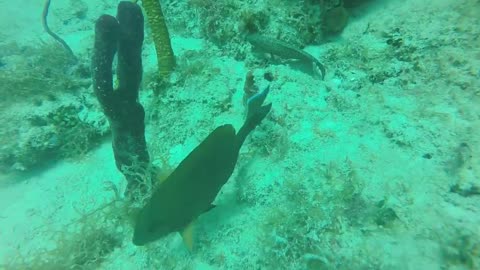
(161,37)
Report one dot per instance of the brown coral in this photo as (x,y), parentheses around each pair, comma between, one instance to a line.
(335,20)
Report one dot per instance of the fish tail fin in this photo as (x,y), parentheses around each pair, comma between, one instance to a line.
(256,112)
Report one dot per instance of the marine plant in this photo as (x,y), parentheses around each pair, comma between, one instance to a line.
(461,249)
(42,80)
(73,137)
(64,130)
(82,244)
(305,228)
(298,23)
(37,73)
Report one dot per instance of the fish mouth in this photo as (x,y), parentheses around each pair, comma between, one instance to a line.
(137,241)
(139,238)
(143,237)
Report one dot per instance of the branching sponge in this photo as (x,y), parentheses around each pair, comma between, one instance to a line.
(161,37)
(125,114)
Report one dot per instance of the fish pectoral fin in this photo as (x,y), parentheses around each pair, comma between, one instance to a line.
(187,235)
(188,232)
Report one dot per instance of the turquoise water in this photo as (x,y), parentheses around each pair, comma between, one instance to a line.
(117,155)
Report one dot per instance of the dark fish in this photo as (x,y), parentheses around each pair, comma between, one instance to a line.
(192,187)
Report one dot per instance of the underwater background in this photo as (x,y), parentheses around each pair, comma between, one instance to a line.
(372,164)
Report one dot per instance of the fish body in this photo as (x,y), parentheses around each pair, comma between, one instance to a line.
(193,186)
(286,51)
(190,190)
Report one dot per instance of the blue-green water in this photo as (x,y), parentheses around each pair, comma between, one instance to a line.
(368,158)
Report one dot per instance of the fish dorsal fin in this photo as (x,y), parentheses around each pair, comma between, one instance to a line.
(187,235)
